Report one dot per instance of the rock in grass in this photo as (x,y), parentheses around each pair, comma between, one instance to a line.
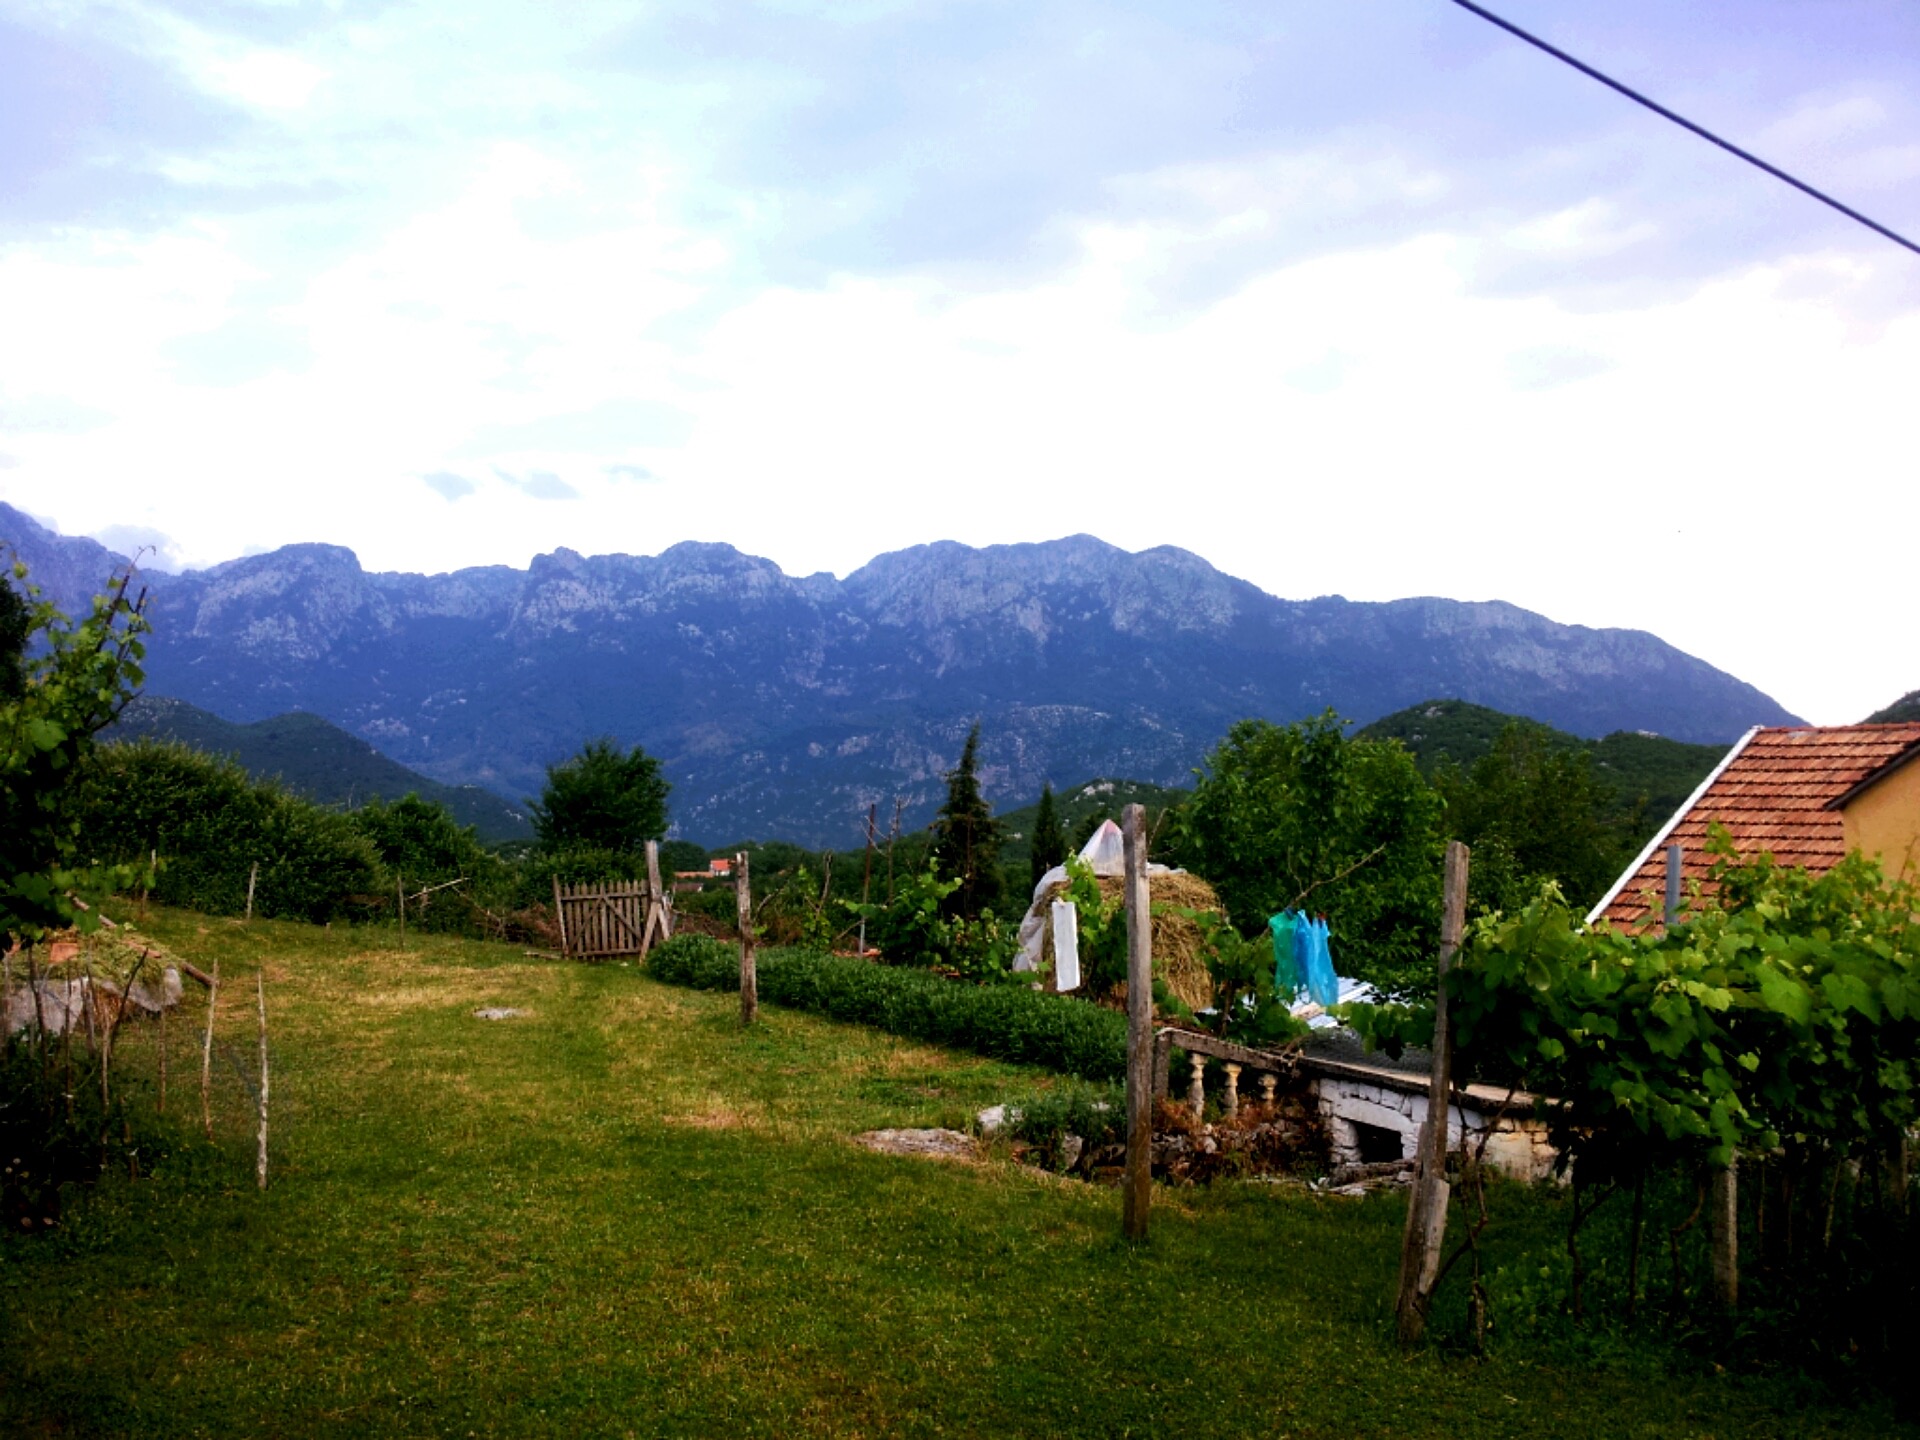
(931,1144)
(498,1012)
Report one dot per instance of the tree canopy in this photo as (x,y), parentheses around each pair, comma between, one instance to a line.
(604,798)
(1303,816)
(1535,811)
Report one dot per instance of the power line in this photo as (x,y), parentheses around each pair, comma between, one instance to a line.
(1681,120)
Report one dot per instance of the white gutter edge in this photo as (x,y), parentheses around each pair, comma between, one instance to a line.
(1673,821)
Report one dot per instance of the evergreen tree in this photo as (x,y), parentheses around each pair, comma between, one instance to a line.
(1049,836)
(966,842)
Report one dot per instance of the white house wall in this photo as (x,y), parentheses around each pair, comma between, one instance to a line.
(1518,1146)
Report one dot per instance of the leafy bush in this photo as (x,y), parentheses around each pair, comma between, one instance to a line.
(420,841)
(211,822)
(52,703)
(1098,1115)
(1007,1022)
(698,962)
(1779,1027)
(579,865)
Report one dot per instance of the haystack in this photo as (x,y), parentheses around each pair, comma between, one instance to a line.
(1177,944)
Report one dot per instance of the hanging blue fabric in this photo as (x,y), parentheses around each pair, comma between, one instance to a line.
(1322,983)
(1302,951)
(1288,977)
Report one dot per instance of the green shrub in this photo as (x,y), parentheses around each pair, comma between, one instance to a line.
(1098,1115)
(1006,1021)
(421,842)
(575,865)
(697,961)
(210,823)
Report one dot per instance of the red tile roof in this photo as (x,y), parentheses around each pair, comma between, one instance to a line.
(1771,793)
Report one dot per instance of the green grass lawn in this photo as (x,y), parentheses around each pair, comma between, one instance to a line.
(620,1215)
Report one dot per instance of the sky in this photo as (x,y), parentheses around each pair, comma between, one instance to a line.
(1358,297)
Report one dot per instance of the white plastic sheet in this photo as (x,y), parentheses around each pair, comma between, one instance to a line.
(1106,850)
(1066,946)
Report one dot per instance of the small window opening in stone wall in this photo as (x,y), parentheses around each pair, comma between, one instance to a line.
(1376,1143)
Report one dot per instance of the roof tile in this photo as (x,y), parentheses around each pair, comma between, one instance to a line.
(1772,797)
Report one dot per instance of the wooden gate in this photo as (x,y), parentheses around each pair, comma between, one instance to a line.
(625,917)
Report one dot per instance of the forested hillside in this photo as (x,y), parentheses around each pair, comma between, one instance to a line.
(1907,707)
(317,760)
(1637,767)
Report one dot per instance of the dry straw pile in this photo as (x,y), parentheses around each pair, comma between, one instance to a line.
(1177,957)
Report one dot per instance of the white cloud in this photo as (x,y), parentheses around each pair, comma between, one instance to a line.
(448,486)
(516,266)
(267,79)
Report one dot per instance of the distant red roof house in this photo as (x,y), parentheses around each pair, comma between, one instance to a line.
(1805,794)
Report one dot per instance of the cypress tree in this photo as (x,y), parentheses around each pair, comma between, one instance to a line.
(1049,836)
(966,841)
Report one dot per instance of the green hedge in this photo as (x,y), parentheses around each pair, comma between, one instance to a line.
(210,823)
(1007,1022)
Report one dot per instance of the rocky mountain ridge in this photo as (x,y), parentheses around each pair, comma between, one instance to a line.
(785,705)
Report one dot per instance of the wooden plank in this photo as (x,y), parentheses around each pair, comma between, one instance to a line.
(1195,1042)
(1139,1184)
(560,914)
(1426,1230)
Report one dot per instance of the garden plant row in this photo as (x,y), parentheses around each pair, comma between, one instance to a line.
(1004,1020)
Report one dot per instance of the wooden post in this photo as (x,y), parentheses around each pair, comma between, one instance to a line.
(560,916)
(260,1161)
(1723,1230)
(1139,1192)
(743,907)
(657,898)
(1426,1230)
(866,874)
(400,902)
(253,876)
(206,1053)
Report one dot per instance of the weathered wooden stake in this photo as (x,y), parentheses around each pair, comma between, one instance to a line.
(1426,1230)
(253,877)
(560,916)
(260,1161)
(866,876)
(206,1054)
(659,921)
(1723,1230)
(1139,1193)
(400,905)
(743,906)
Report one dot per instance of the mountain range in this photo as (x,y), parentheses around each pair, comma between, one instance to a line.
(785,706)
